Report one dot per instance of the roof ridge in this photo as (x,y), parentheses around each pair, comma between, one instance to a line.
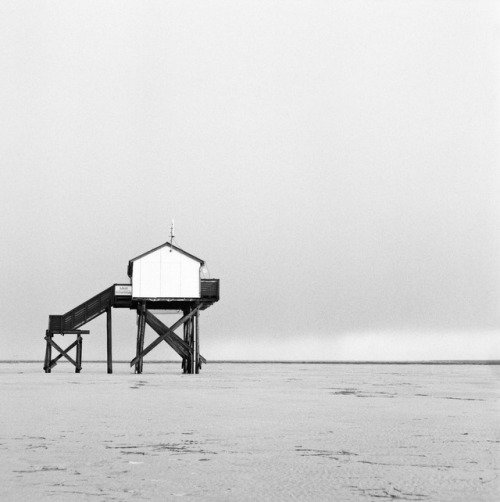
(172,246)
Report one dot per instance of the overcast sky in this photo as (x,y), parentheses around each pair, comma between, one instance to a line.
(334,162)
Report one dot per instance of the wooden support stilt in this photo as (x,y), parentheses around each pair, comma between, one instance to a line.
(196,350)
(79,344)
(48,353)
(192,340)
(188,338)
(141,327)
(192,364)
(109,340)
(184,364)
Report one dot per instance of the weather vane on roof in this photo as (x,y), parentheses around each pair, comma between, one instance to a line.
(171,234)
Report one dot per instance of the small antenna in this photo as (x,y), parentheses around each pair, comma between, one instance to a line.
(171,234)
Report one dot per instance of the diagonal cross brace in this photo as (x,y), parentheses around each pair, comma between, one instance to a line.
(167,334)
(62,353)
(179,345)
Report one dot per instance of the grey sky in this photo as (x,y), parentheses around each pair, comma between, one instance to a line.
(334,162)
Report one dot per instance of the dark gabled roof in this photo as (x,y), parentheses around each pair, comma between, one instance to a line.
(130,263)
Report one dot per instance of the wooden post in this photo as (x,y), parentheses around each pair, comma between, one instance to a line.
(191,345)
(45,364)
(49,340)
(197,343)
(141,327)
(137,349)
(48,353)
(78,366)
(185,360)
(109,340)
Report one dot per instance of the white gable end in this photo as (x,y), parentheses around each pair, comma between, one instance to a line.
(166,273)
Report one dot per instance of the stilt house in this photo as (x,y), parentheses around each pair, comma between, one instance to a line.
(164,278)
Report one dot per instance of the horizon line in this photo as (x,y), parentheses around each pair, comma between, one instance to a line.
(290,361)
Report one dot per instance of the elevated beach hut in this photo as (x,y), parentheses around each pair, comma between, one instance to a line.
(164,278)
(165,273)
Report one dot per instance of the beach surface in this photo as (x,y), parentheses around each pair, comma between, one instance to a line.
(316,432)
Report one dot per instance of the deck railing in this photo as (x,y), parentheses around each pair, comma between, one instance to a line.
(210,289)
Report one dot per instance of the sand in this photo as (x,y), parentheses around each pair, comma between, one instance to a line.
(250,432)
